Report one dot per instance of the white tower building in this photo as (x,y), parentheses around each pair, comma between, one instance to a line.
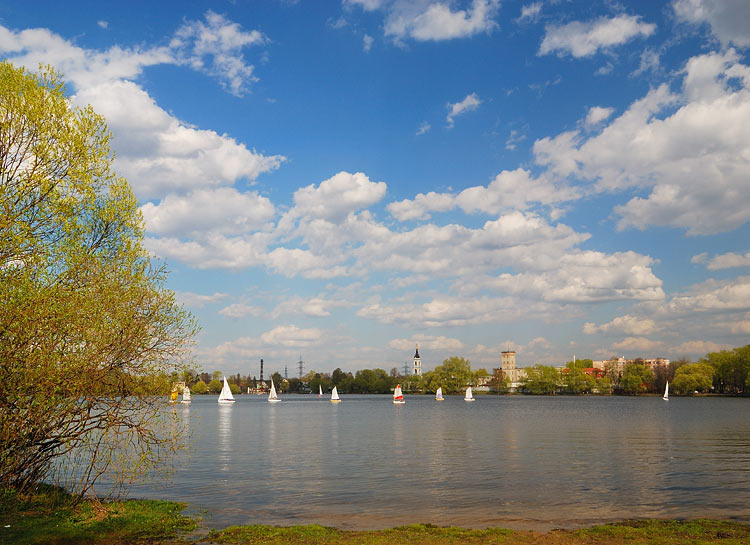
(417,363)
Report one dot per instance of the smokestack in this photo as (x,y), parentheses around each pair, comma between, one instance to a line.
(261,369)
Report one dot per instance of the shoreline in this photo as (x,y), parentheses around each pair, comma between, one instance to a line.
(49,517)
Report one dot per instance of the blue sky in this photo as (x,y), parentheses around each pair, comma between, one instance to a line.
(342,180)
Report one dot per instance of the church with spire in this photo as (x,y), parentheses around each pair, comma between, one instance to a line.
(417,368)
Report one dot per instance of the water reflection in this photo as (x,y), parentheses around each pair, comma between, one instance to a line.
(512,461)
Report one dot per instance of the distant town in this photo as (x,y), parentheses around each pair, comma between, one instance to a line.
(724,372)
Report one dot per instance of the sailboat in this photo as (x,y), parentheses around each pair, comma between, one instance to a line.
(272,397)
(186,395)
(398,396)
(173,396)
(320,391)
(665,397)
(226,397)
(439,394)
(469,396)
(335,396)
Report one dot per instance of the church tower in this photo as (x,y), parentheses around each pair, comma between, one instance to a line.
(417,363)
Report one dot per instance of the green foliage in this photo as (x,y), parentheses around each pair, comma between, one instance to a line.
(693,377)
(578,382)
(215,386)
(234,388)
(454,375)
(49,515)
(541,380)
(199,388)
(636,379)
(87,330)
(731,369)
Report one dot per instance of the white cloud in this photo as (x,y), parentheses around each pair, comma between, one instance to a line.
(597,114)
(102,24)
(213,251)
(155,151)
(215,46)
(222,210)
(628,324)
(713,296)
(530,12)
(510,190)
(581,39)
(468,104)
(367,41)
(728,19)
(514,138)
(427,342)
(292,336)
(650,62)
(197,300)
(424,128)
(241,310)
(669,145)
(420,206)
(699,258)
(435,21)
(637,346)
(338,196)
(698,348)
(728,261)
(318,306)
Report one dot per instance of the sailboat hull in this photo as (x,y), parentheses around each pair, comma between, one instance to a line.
(470,399)
(335,401)
(274,400)
(226,401)
(399,402)
(439,399)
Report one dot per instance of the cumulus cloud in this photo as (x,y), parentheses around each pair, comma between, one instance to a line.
(102,24)
(698,348)
(427,342)
(215,46)
(728,19)
(436,21)
(367,41)
(223,210)
(198,300)
(468,104)
(241,310)
(596,115)
(726,261)
(713,296)
(338,196)
(628,324)
(424,128)
(530,12)
(637,345)
(584,39)
(669,145)
(292,336)
(509,190)
(157,152)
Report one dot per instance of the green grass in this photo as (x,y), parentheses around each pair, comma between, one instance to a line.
(50,517)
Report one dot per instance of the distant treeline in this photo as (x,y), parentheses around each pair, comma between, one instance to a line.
(724,372)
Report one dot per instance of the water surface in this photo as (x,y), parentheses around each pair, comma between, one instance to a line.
(513,461)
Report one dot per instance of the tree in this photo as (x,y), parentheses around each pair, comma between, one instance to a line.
(541,379)
(577,381)
(87,330)
(215,386)
(693,377)
(454,375)
(636,378)
(200,388)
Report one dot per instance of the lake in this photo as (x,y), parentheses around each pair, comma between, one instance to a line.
(523,462)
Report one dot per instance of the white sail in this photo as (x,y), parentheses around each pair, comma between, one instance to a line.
(439,394)
(468,396)
(272,397)
(398,396)
(320,391)
(335,396)
(226,394)
(186,395)
(665,397)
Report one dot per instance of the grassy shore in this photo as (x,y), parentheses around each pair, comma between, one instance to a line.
(49,517)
